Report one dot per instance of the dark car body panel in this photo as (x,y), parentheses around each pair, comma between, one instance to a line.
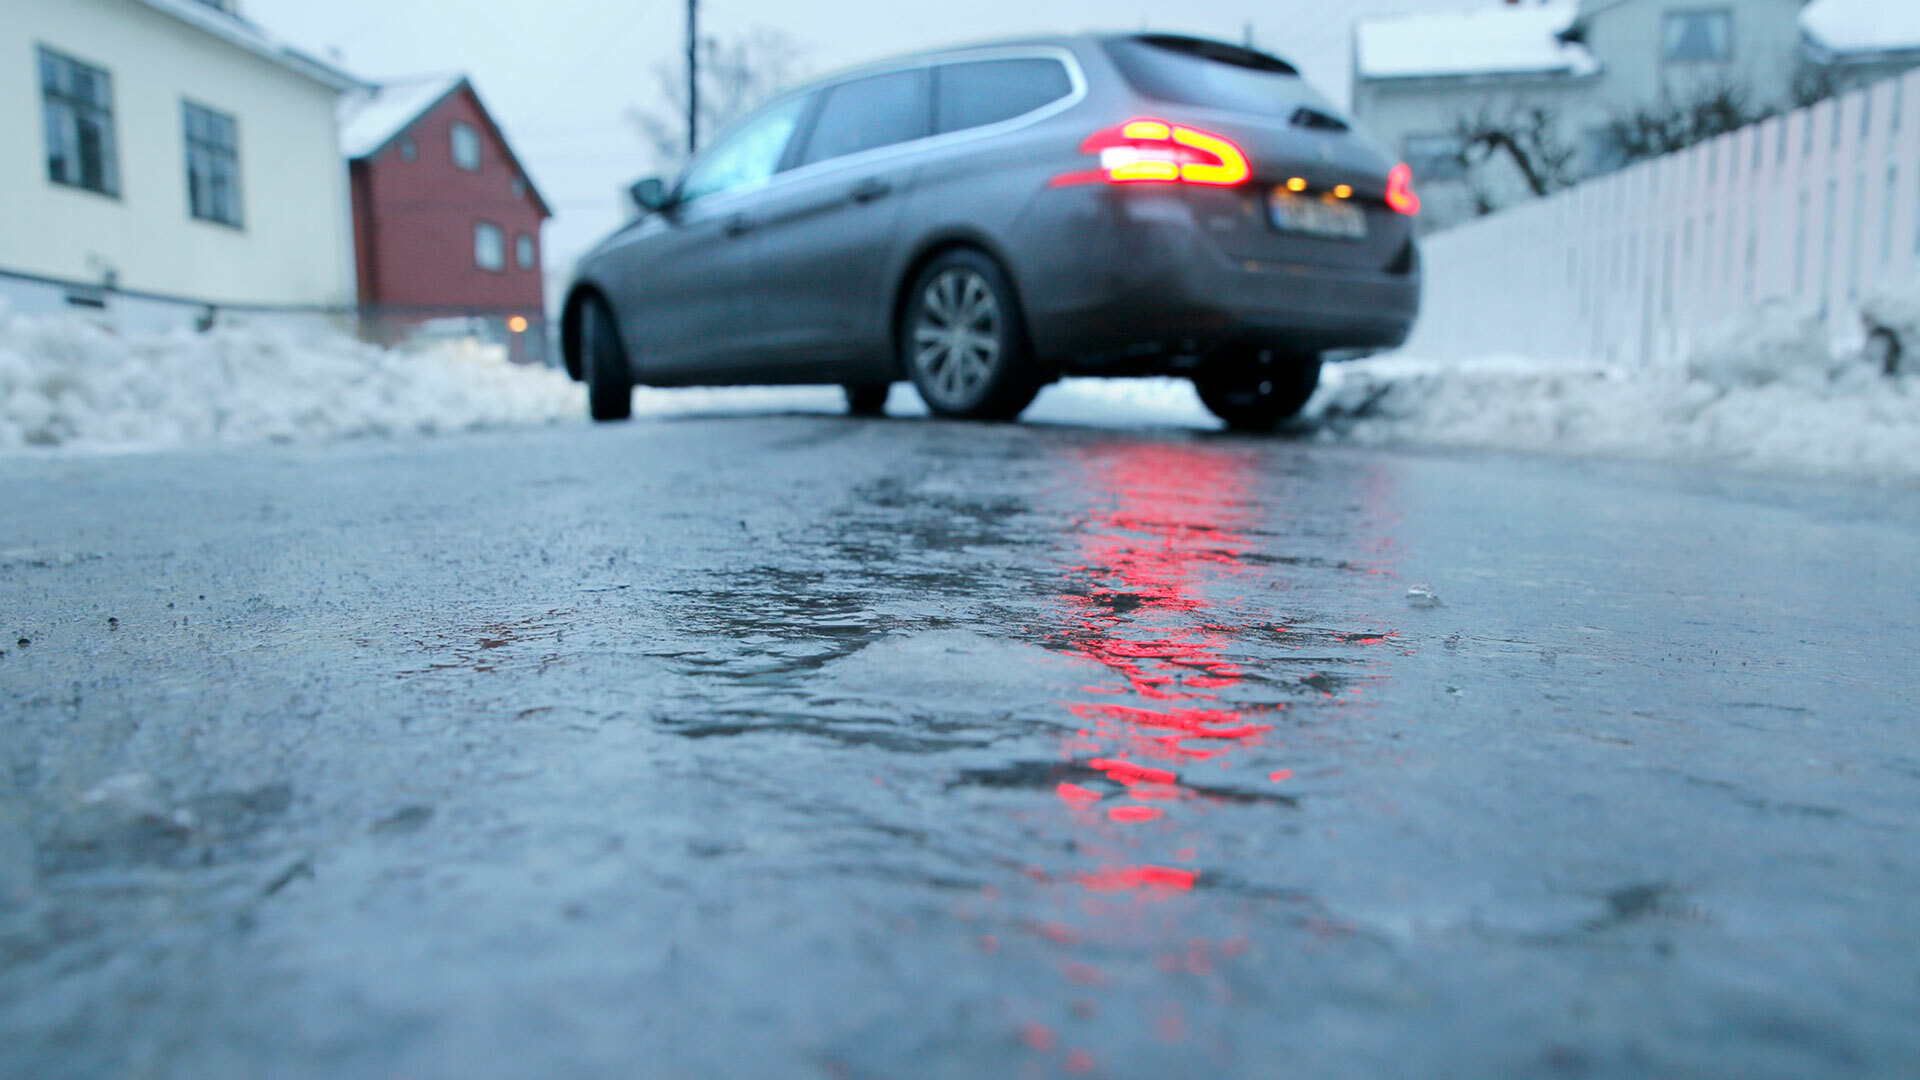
(798,279)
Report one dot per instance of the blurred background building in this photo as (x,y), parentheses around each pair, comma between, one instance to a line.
(167,148)
(1501,102)
(181,162)
(446,221)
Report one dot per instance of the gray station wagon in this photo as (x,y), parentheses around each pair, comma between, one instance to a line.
(985,220)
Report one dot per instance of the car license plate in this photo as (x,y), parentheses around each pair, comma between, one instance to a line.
(1335,219)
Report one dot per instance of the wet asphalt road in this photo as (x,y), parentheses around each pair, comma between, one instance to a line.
(804,746)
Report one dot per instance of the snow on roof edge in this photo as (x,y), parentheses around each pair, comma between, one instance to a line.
(1862,26)
(1500,40)
(237,31)
(369,123)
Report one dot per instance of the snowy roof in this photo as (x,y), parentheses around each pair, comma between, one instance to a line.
(1849,26)
(237,31)
(370,122)
(1502,39)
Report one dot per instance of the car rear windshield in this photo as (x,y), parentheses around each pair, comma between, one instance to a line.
(1190,71)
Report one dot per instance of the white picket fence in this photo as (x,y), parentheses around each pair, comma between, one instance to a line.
(1818,207)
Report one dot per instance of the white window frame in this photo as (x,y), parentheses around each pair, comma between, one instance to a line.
(455,132)
(489,247)
(1666,34)
(205,157)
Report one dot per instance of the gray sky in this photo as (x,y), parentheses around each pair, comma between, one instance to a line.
(559,74)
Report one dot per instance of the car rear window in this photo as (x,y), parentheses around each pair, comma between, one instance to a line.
(975,93)
(1190,71)
(866,114)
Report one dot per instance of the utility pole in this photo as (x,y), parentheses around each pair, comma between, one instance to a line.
(693,76)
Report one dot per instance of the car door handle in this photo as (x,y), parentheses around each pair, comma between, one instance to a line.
(738,225)
(867,191)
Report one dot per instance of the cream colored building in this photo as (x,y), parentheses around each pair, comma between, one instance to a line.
(169,147)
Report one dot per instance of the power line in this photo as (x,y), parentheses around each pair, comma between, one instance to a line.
(614,41)
(693,77)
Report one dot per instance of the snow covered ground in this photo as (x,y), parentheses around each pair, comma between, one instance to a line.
(1768,395)
(66,382)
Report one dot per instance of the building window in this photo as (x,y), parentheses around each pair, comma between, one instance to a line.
(213,166)
(1699,35)
(523,251)
(519,188)
(1436,157)
(489,247)
(78,116)
(466,147)
(408,151)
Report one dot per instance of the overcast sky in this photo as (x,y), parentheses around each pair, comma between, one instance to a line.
(560,74)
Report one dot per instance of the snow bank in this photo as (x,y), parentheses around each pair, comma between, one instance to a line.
(67,382)
(1766,394)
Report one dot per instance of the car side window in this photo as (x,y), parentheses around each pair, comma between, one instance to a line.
(749,156)
(980,92)
(869,113)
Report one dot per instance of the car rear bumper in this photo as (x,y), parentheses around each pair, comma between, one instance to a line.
(1132,285)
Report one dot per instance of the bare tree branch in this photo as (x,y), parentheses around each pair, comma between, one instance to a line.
(1671,125)
(1527,136)
(736,74)
(1814,82)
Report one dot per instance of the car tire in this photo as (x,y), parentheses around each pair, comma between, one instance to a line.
(867,399)
(1258,395)
(603,363)
(963,342)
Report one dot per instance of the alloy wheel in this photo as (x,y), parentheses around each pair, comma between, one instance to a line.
(958,336)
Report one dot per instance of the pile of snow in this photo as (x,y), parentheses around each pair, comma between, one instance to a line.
(1154,402)
(1892,323)
(66,381)
(1767,393)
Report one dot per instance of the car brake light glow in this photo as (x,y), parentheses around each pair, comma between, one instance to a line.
(1153,151)
(1400,193)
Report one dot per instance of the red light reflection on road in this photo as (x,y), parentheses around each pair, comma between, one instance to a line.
(1168,525)
(1152,597)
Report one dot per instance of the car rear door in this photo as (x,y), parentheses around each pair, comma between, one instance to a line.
(827,232)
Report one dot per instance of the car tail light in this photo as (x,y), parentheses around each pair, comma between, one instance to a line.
(1400,193)
(1153,151)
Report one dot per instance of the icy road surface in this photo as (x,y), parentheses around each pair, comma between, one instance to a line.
(804,746)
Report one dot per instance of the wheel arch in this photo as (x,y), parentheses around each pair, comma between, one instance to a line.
(932,247)
(577,299)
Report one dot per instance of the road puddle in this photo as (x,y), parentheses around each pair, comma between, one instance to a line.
(1159,592)
(1170,526)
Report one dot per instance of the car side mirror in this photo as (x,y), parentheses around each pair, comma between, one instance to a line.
(651,195)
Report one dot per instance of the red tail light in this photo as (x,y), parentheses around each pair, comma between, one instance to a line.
(1400,193)
(1153,151)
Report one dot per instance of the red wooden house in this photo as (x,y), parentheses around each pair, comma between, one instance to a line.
(446,222)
